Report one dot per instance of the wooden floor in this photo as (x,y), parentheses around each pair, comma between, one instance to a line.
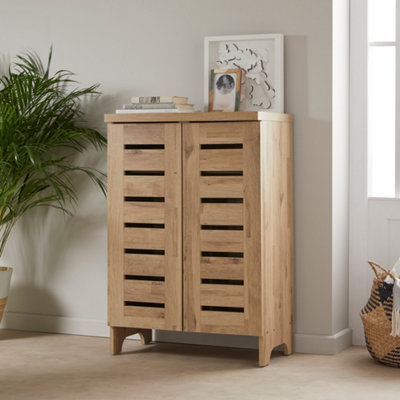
(48,366)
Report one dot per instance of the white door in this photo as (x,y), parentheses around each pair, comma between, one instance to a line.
(384,230)
(374,146)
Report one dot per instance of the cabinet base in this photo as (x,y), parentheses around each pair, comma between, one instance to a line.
(265,348)
(119,334)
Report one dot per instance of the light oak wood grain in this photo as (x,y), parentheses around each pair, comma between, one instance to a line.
(221,268)
(144,160)
(150,320)
(144,238)
(214,240)
(191,228)
(144,212)
(144,264)
(197,117)
(144,186)
(119,334)
(252,227)
(173,226)
(221,214)
(167,239)
(144,134)
(263,152)
(221,160)
(224,241)
(228,322)
(115,231)
(221,295)
(277,234)
(226,133)
(144,291)
(145,312)
(221,186)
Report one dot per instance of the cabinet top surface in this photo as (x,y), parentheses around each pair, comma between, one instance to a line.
(198,117)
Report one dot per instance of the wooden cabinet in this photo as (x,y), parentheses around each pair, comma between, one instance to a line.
(200,225)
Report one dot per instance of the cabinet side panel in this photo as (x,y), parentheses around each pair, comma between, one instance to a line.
(252,227)
(277,231)
(115,228)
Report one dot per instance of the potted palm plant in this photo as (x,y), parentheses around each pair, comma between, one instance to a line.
(41,130)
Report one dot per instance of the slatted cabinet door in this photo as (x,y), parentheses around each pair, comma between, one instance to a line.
(221,234)
(145,218)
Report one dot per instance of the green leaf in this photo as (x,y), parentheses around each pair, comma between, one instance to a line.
(41,131)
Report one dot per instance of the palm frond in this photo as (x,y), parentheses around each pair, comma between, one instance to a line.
(41,129)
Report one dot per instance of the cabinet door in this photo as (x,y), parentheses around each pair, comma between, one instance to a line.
(221,228)
(145,226)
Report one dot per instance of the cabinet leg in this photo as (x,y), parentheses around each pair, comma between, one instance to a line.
(119,334)
(264,350)
(145,336)
(288,347)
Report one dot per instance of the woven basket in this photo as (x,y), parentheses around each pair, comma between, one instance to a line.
(5,277)
(3,302)
(377,319)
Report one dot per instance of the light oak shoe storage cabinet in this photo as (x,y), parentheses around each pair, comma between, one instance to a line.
(200,226)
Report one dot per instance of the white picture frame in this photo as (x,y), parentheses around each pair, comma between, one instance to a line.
(261,58)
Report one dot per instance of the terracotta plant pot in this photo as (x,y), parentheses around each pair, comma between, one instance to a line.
(5,279)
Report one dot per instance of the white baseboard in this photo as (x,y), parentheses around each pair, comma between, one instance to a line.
(57,324)
(54,324)
(303,343)
(323,344)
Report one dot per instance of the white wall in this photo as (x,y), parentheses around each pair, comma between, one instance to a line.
(156,47)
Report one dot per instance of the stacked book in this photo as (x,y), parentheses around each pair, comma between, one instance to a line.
(156,104)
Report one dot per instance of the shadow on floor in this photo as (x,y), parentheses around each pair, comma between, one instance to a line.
(226,353)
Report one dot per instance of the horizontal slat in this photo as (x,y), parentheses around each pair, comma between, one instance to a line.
(222,295)
(221,318)
(144,134)
(144,238)
(144,291)
(221,268)
(145,186)
(144,264)
(146,322)
(221,214)
(144,312)
(213,240)
(221,160)
(144,212)
(144,160)
(221,186)
(221,133)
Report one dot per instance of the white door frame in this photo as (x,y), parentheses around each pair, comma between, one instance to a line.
(359,280)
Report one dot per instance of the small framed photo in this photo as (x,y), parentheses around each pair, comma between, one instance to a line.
(224,90)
